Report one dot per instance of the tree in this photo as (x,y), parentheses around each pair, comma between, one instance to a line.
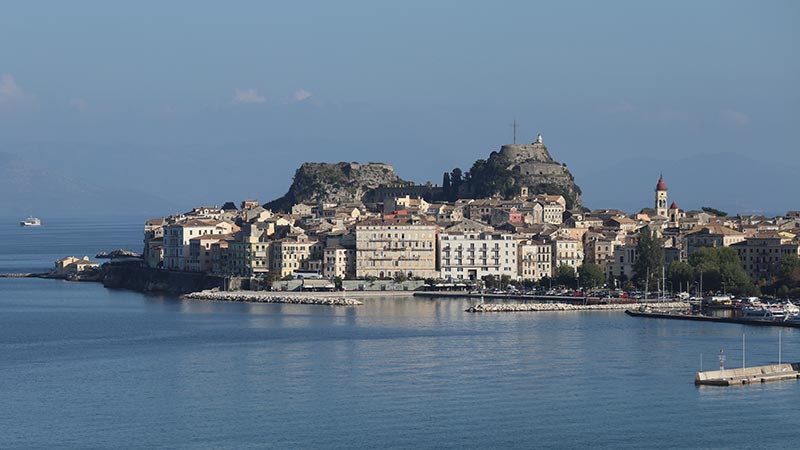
(680,274)
(446,186)
(489,281)
(721,270)
(565,275)
(714,211)
(649,257)
(456,180)
(487,178)
(591,275)
(337,281)
(400,277)
(787,276)
(504,281)
(545,282)
(269,279)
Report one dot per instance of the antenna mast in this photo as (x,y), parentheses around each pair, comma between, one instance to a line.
(514,125)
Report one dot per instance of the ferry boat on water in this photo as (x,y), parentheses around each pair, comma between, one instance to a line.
(31,222)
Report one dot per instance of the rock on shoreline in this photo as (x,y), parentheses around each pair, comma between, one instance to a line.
(533,307)
(270,297)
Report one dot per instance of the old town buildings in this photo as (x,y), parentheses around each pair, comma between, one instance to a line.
(527,237)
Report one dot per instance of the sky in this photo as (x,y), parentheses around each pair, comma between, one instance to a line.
(203,102)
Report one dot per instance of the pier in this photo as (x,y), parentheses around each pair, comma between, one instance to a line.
(758,374)
(702,318)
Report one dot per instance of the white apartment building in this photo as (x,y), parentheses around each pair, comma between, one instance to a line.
(473,255)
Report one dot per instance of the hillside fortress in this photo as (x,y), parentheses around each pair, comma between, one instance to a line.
(533,167)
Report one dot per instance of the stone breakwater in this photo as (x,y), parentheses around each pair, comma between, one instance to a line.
(534,307)
(271,297)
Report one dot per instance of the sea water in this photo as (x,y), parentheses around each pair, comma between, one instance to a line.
(82,367)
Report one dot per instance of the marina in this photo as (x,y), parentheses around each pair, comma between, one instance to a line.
(557,306)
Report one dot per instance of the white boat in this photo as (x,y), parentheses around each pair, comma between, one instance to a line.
(765,312)
(31,222)
(756,313)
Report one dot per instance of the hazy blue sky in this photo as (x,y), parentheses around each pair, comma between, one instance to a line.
(209,101)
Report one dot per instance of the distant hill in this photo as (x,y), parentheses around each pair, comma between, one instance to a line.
(28,188)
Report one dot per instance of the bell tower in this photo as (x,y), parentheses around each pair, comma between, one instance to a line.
(661,198)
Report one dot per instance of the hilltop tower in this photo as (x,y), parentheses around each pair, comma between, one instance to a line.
(661,198)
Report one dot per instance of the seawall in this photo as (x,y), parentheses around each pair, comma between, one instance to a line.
(132,275)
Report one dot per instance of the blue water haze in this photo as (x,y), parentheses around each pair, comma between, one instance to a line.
(87,367)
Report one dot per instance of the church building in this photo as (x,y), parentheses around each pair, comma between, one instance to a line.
(672,214)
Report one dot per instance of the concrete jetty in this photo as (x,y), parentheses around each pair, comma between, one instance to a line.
(272,297)
(535,307)
(758,374)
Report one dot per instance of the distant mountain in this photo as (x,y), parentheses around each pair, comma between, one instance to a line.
(28,188)
(731,182)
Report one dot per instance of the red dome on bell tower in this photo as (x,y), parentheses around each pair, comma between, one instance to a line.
(661,186)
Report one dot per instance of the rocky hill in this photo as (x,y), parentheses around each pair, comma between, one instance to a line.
(522,165)
(334,183)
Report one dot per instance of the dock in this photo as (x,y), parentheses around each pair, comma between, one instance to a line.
(748,375)
(540,306)
(702,318)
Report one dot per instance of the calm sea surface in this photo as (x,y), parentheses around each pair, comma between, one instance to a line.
(86,367)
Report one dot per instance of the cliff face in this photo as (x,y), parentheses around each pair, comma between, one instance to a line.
(334,183)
